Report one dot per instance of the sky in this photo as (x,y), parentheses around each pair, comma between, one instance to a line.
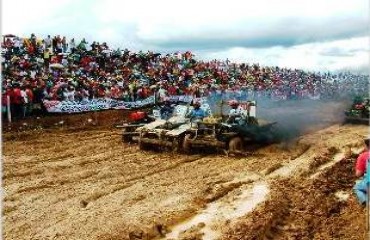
(313,35)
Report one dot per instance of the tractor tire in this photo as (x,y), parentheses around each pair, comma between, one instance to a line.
(236,144)
(175,145)
(126,139)
(186,145)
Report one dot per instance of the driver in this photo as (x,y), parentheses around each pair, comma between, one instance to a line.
(197,113)
(236,112)
(166,110)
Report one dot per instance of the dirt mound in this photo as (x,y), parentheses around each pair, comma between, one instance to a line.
(73,121)
(303,208)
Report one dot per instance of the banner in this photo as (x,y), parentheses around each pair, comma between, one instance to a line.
(115,104)
(181,98)
(93,105)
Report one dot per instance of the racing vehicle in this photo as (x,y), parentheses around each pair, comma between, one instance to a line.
(168,133)
(230,136)
(359,111)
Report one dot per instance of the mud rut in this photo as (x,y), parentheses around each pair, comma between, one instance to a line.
(88,185)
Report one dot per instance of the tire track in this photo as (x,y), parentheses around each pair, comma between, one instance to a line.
(125,189)
(132,181)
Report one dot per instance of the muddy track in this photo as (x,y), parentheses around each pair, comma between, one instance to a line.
(308,208)
(62,184)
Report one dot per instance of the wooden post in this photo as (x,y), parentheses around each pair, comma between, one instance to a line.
(221,105)
(8,109)
(367,201)
(95,109)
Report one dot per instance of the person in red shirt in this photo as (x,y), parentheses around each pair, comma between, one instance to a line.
(361,187)
(144,92)
(101,91)
(172,90)
(16,102)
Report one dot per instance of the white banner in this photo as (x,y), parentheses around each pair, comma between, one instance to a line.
(93,105)
(181,98)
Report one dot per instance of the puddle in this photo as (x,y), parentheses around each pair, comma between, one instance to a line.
(342,196)
(236,204)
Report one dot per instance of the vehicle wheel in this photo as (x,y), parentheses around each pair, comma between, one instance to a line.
(126,139)
(236,144)
(175,145)
(186,145)
(253,121)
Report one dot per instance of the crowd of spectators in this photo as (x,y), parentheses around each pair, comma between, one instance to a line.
(55,68)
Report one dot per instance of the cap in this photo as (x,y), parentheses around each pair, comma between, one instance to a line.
(233,102)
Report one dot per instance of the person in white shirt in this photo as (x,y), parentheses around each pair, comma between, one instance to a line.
(24,95)
(22,73)
(65,61)
(47,42)
(25,101)
(65,94)
(236,113)
(71,93)
(72,45)
(162,93)
(17,45)
(33,73)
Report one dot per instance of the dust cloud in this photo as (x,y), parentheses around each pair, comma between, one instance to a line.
(297,117)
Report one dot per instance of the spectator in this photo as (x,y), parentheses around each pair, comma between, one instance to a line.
(64,45)
(30,99)
(72,45)
(25,102)
(103,72)
(16,102)
(47,42)
(361,187)
(47,57)
(4,104)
